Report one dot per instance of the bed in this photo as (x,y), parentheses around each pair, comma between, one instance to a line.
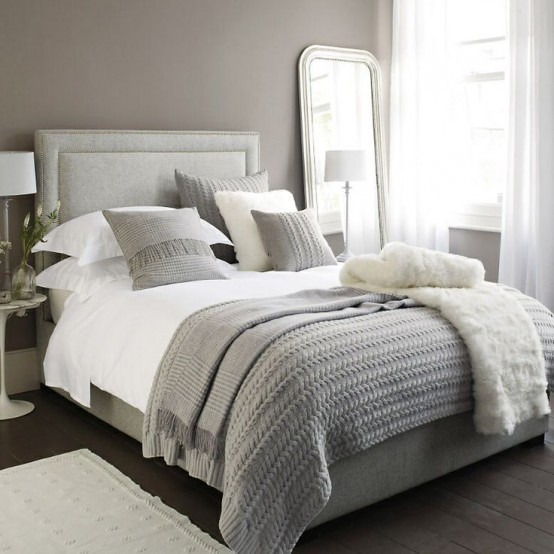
(93,170)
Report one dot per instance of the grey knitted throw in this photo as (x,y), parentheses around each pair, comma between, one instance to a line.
(259,397)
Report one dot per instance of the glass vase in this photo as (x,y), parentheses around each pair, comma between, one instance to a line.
(24,285)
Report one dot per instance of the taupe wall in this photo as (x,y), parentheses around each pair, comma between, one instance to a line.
(170,64)
(484,246)
(478,244)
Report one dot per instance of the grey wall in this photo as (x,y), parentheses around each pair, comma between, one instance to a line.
(170,64)
(478,244)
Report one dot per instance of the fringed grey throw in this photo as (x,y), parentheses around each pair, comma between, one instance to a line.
(259,397)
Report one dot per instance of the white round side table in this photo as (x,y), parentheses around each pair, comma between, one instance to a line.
(13,408)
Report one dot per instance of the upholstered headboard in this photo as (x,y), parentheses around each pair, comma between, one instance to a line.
(94,170)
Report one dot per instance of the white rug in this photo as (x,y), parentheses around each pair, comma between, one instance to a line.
(79,503)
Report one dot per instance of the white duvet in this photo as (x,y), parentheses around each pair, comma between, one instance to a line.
(116,339)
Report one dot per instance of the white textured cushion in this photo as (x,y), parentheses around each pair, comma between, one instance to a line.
(235,207)
(84,280)
(91,239)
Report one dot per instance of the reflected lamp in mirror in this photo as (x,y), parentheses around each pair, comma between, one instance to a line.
(17,177)
(346,166)
(340,106)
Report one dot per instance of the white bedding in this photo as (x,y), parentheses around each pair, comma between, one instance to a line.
(116,339)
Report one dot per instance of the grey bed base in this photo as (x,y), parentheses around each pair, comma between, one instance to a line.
(93,170)
(391,467)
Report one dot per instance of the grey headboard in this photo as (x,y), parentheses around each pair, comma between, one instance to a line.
(94,170)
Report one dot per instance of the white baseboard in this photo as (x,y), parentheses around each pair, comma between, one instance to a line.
(22,370)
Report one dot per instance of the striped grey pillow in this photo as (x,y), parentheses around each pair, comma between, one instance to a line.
(199,192)
(293,240)
(163,247)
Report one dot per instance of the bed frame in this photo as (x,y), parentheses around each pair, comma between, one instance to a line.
(92,170)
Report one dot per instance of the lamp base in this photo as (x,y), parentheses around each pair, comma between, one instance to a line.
(5,282)
(10,409)
(6,278)
(346,255)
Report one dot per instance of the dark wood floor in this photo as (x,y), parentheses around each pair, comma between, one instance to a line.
(502,505)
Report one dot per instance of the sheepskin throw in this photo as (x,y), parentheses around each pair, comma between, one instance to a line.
(400,266)
(505,350)
(259,397)
(236,207)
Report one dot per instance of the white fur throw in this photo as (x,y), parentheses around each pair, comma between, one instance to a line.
(505,350)
(236,207)
(401,266)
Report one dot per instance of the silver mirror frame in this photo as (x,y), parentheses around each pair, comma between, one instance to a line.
(346,55)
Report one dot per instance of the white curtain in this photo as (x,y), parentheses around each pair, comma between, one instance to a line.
(419,131)
(354,130)
(527,247)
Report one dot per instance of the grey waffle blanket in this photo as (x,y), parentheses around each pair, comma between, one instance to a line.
(259,397)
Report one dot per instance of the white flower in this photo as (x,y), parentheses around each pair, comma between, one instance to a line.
(4,245)
(39,211)
(26,221)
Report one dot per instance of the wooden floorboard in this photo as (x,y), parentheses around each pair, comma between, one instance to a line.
(539,459)
(497,523)
(503,505)
(524,472)
(458,530)
(393,519)
(502,502)
(516,487)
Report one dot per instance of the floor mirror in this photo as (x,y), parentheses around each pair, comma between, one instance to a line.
(340,104)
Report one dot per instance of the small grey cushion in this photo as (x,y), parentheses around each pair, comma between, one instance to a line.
(163,247)
(293,240)
(199,192)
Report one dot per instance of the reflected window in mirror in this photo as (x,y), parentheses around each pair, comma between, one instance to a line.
(338,91)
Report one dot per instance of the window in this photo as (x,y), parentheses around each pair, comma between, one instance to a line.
(478,35)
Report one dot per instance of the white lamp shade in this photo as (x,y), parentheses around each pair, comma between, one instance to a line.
(345,165)
(17,173)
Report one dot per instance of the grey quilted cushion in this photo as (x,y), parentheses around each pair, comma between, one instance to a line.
(163,247)
(199,192)
(293,240)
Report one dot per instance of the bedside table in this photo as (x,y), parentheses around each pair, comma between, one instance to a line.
(13,408)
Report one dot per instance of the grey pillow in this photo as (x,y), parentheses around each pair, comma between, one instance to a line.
(163,247)
(293,240)
(199,192)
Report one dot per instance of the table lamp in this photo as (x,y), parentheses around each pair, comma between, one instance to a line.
(345,165)
(17,177)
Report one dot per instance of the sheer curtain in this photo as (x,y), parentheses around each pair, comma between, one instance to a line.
(527,245)
(419,126)
(354,130)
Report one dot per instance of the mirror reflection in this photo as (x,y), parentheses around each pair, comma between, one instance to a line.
(339,91)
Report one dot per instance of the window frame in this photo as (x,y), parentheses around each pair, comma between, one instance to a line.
(479,216)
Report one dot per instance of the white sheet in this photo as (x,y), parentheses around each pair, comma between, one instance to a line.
(116,339)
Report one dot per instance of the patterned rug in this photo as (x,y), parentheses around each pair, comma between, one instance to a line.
(79,503)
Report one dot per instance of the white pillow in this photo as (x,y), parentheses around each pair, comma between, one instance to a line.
(84,280)
(235,207)
(91,239)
